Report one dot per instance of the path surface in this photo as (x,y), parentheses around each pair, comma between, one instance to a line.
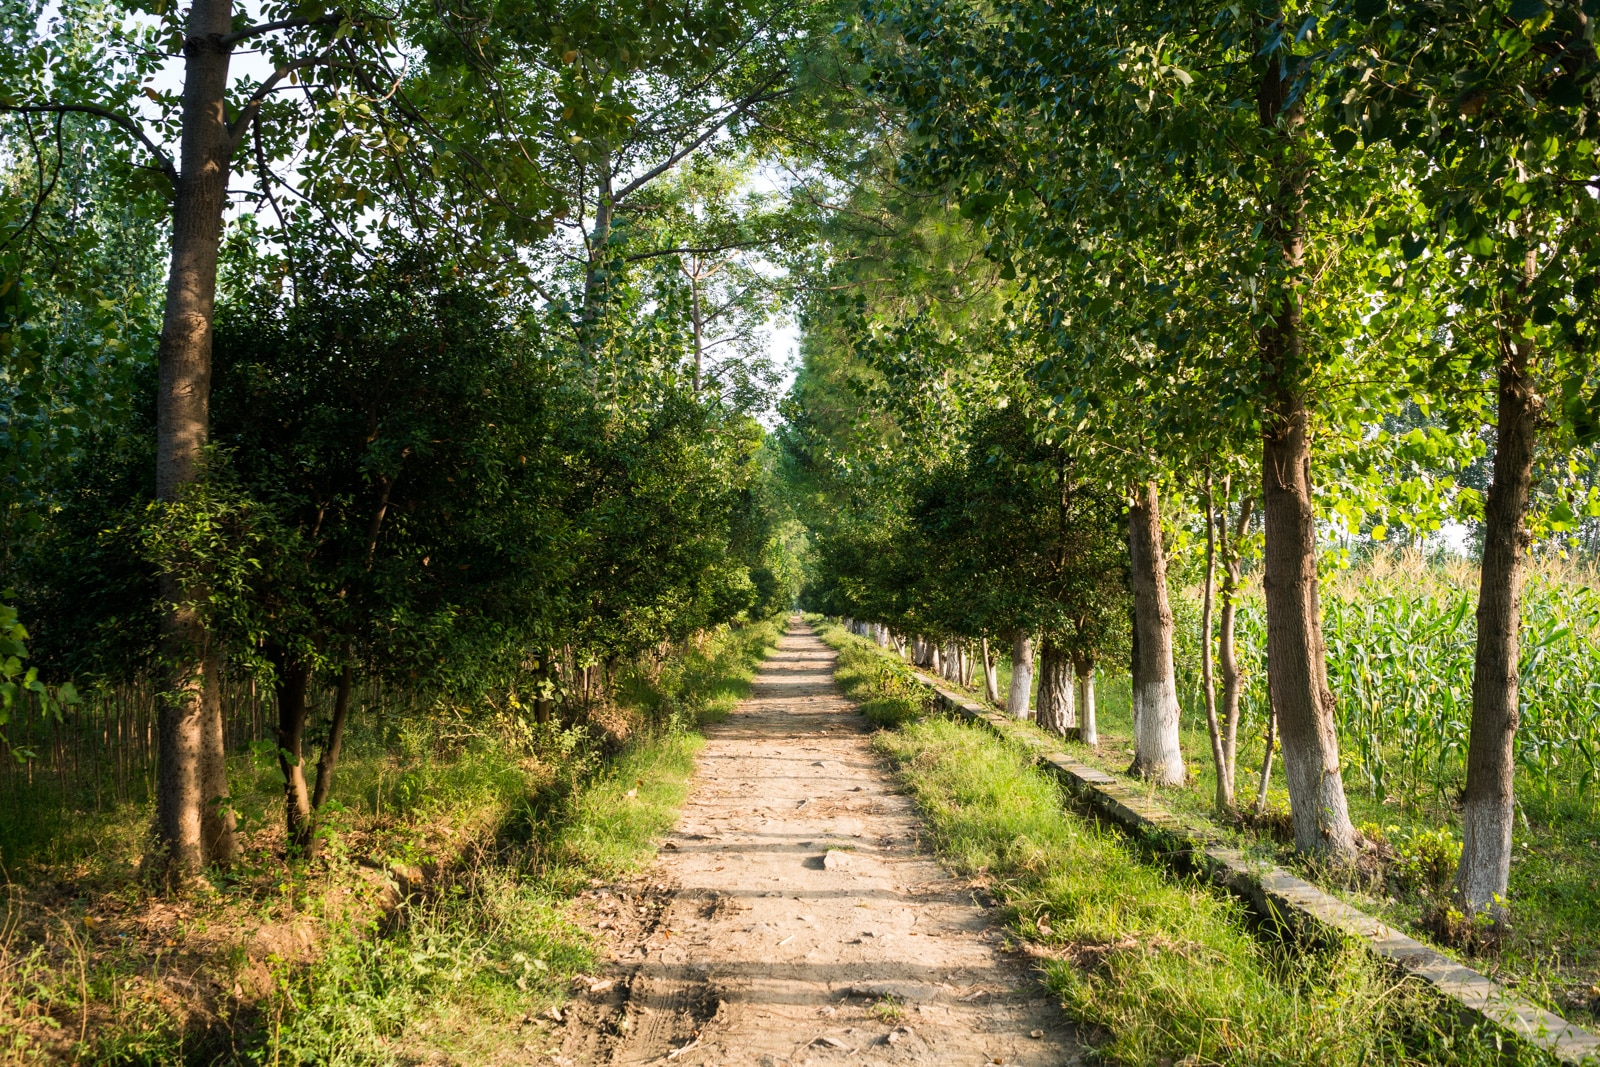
(793,919)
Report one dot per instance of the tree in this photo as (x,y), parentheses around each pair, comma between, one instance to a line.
(1482,101)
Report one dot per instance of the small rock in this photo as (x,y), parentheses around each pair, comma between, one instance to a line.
(1037,1035)
(835,860)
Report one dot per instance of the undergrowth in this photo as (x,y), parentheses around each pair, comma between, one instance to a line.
(1165,969)
(475,966)
(496,831)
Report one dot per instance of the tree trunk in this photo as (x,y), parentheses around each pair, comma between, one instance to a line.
(217,818)
(1296,661)
(1297,673)
(1021,675)
(1056,712)
(1487,803)
(1157,755)
(699,342)
(1089,730)
(191,831)
(991,677)
(294,680)
(328,761)
(1266,762)
(597,274)
(1219,754)
(1227,652)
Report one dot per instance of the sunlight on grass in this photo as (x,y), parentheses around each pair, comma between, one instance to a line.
(1161,968)
(493,945)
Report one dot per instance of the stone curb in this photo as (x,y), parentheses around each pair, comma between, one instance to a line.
(1288,901)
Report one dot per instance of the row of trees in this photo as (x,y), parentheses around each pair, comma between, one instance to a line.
(1309,264)
(418,343)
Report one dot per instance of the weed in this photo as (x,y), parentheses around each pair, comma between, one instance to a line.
(888,1010)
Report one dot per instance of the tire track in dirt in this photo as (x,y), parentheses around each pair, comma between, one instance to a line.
(792,918)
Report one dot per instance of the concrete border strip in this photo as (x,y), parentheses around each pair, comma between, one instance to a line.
(1279,897)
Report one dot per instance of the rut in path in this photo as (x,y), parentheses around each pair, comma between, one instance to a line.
(794,919)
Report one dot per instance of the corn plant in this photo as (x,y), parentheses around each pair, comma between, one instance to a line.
(1401,637)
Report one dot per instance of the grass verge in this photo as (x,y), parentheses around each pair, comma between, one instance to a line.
(1551,954)
(491,835)
(1164,969)
(468,976)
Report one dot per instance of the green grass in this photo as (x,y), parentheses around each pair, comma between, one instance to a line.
(494,944)
(495,947)
(1552,951)
(1163,968)
(513,818)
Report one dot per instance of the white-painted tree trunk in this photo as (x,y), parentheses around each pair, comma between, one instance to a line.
(1056,712)
(1021,675)
(1157,756)
(1089,729)
(991,676)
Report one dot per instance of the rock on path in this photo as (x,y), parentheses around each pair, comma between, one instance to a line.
(792,918)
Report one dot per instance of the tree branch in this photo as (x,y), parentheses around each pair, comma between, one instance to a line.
(692,251)
(284,24)
(760,96)
(241,125)
(163,160)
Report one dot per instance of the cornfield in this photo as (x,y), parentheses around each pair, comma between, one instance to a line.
(1400,636)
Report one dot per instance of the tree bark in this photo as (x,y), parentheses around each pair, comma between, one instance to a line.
(991,677)
(1227,651)
(1296,660)
(217,819)
(1487,803)
(1157,754)
(1219,754)
(328,760)
(1297,674)
(1056,712)
(699,341)
(1266,762)
(597,273)
(191,830)
(293,683)
(1021,675)
(1089,729)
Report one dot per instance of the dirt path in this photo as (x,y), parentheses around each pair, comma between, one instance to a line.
(792,918)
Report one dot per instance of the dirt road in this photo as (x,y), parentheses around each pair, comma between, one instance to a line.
(793,918)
